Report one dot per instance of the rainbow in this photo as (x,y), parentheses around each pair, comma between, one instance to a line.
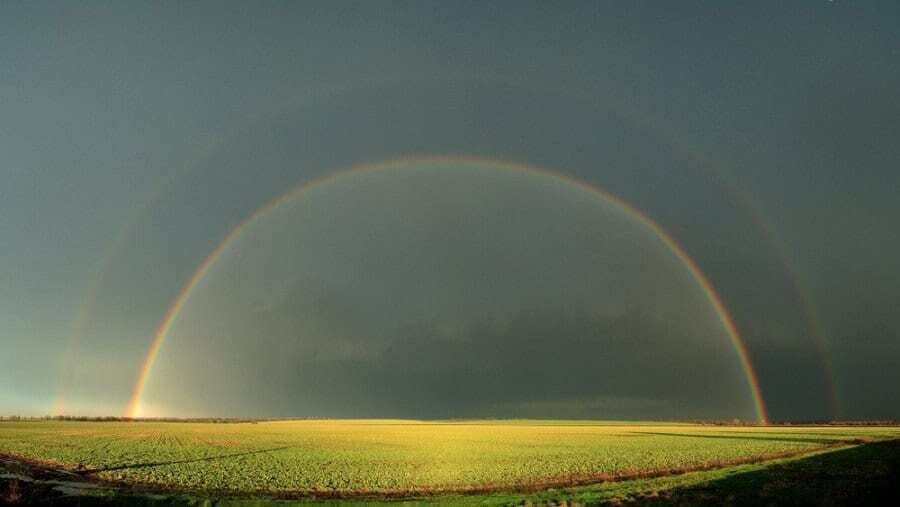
(87,307)
(750,206)
(171,316)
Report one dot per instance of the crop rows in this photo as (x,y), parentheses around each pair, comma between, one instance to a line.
(388,456)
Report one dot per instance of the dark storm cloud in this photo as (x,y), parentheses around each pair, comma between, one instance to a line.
(542,356)
(175,123)
(582,365)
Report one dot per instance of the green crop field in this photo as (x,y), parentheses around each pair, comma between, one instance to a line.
(352,457)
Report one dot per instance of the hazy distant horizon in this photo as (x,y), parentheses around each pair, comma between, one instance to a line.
(759,137)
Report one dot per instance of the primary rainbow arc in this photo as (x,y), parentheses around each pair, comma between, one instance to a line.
(171,316)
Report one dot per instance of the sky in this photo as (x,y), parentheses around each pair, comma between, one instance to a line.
(488,191)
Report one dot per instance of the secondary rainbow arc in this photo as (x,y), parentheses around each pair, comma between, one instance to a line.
(134,406)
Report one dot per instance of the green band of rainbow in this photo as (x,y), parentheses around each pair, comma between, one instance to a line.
(171,315)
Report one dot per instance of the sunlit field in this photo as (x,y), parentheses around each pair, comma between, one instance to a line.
(353,457)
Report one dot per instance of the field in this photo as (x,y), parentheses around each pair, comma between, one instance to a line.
(347,458)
